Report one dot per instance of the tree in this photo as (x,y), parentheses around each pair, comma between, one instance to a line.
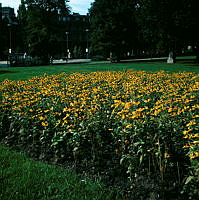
(44,33)
(4,44)
(155,27)
(162,23)
(22,22)
(113,27)
(77,52)
(193,24)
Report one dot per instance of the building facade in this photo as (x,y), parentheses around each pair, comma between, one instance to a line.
(0,11)
(8,15)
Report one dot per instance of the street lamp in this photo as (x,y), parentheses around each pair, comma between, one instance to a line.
(10,38)
(87,30)
(67,33)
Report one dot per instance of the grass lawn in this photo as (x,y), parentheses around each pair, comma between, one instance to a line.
(22,178)
(22,73)
(186,57)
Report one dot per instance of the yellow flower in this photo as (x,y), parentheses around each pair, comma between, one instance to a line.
(195,135)
(195,142)
(194,155)
(129,126)
(187,131)
(166,155)
(146,101)
(191,123)
(42,118)
(187,146)
(170,110)
(51,108)
(58,122)
(45,124)
(140,109)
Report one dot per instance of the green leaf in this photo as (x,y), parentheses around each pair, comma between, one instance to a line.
(22,131)
(189,179)
(141,159)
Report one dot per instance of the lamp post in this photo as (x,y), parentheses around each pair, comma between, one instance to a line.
(67,33)
(10,39)
(87,30)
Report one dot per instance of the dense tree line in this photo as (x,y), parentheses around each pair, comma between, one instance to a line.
(41,30)
(37,29)
(146,27)
(136,28)
(113,27)
(3,39)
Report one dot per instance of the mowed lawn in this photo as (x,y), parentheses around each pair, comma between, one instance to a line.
(22,178)
(22,73)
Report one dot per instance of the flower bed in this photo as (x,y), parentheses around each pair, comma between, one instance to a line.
(141,125)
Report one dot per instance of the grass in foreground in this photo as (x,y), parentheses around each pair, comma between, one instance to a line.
(24,179)
(23,73)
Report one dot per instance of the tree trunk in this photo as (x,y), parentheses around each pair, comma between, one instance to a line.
(115,57)
(45,60)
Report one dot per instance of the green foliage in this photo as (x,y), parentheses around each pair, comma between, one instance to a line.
(98,58)
(77,52)
(162,23)
(4,33)
(44,32)
(148,27)
(113,27)
(192,181)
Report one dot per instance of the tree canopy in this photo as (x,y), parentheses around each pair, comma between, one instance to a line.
(42,26)
(113,26)
(136,28)
(153,27)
